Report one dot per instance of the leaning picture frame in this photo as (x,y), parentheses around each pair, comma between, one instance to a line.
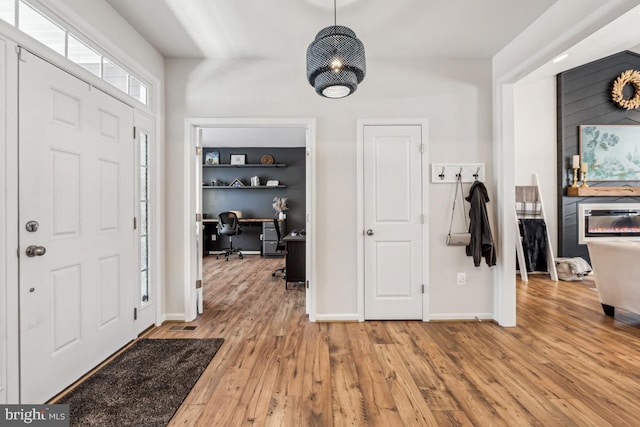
(212,158)
(611,152)
(238,159)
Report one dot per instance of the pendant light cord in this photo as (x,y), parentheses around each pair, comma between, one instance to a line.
(335,14)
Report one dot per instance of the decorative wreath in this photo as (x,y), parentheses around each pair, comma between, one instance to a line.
(631,77)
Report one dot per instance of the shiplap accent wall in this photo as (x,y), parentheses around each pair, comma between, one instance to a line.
(583,99)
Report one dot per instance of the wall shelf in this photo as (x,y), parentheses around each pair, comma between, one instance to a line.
(246,187)
(257,165)
(603,191)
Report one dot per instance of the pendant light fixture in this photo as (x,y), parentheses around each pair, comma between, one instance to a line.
(335,61)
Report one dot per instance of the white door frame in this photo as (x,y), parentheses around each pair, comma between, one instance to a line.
(9,271)
(361,123)
(190,201)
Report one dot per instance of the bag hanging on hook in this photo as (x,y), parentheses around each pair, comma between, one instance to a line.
(458,239)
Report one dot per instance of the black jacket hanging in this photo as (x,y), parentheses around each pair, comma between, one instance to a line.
(481,238)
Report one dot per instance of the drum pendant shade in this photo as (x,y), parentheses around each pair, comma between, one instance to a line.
(336,62)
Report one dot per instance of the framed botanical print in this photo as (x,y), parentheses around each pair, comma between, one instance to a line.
(611,152)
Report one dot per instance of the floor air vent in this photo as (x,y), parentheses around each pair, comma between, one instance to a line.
(183,328)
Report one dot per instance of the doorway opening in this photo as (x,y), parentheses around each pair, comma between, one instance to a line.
(208,135)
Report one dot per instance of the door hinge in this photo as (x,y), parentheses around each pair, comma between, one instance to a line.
(198,217)
(134,132)
(198,151)
(423,288)
(421,218)
(307,282)
(135,223)
(135,313)
(421,148)
(198,284)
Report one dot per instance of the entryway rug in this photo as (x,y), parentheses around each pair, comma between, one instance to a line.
(144,386)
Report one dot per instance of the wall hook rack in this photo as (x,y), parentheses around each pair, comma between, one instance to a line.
(448,173)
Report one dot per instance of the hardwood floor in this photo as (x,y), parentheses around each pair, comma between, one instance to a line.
(565,364)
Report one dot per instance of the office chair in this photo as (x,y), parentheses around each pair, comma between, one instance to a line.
(280,247)
(228,225)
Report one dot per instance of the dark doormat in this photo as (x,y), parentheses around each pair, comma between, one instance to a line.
(144,386)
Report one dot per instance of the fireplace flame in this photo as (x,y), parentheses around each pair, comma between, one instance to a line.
(614,230)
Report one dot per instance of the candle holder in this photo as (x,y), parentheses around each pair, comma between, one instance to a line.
(575,178)
(584,180)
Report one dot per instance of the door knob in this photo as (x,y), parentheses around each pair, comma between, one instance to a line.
(34,250)
(369,232)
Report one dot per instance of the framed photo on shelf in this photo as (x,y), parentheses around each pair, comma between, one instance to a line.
(212,158)
(238,159)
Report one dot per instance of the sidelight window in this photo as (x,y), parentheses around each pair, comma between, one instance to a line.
(144,217)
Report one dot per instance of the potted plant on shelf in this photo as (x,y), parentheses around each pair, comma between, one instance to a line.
(280,205)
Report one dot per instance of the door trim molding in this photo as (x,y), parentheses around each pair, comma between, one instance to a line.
(189,270)
(9,270)
(361,123)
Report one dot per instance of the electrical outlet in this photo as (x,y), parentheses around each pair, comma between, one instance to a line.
(461,279)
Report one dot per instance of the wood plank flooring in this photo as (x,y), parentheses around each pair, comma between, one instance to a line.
(565,364)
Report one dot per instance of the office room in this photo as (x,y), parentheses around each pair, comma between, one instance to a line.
(254,177)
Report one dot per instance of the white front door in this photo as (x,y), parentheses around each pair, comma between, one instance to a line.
(76,220)
(393,222)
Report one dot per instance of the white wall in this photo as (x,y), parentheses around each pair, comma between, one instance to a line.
(453,95)
(535,144)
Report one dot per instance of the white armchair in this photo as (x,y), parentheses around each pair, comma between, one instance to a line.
(616,265)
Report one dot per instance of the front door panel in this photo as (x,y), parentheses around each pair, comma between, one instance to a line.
(76,183)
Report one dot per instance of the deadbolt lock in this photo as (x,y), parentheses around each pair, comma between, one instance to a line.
(32,226)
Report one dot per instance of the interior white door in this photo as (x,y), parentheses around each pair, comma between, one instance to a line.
(393,222)
(76,222)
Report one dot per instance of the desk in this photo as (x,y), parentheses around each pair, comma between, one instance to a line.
(245,220)
(257,241)
(295,259)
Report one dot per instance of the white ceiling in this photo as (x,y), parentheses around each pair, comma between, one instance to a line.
(284,28)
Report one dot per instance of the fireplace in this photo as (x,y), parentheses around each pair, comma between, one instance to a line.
(616,221)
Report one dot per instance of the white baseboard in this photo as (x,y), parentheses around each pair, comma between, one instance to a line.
(337,317)
(460,316)
(173,317)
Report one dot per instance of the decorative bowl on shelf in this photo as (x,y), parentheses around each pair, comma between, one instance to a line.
(267,159)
